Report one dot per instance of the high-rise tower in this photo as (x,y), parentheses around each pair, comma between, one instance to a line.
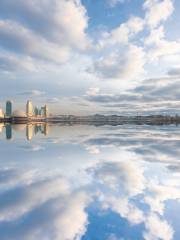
(36,111)
(29,109)
(45,111)
(8,108)
(1,113)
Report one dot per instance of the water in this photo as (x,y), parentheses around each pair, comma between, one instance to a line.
(89,183)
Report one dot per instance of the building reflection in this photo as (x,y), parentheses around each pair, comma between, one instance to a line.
(30,129)
(1,127)
(8,132)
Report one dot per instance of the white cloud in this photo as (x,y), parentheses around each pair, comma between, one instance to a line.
(126,177)
(122,34)
(29,44)
(158,48)
(159,194)
(156,36)
(73,208)
(43,209)
(65,24)
(30,195)
(157,11)
(157,228)
(128,64)
(126,209)
(163,49)
(126,30)
(92,91)
(44,30)
(93,149)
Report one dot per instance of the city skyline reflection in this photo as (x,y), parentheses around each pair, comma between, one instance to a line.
(29,130)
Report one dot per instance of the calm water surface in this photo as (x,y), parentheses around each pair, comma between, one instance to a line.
(89,183)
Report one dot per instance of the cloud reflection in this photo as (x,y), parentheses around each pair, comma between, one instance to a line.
(130,172)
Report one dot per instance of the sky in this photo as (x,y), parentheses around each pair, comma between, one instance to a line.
(87,56)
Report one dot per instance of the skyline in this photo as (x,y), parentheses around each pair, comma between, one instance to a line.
(111,56)
(31,112)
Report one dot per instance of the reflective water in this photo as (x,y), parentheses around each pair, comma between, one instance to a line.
(89,183)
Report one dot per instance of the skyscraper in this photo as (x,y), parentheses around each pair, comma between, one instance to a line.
(29,109)
(1,113)
(45,111)
(42,112)
(36,111)
(8,108)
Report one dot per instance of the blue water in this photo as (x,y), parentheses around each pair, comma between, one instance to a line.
(90,183)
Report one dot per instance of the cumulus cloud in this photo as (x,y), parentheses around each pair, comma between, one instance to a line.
(159,48)
(28,196)
(128,64)
(123,33)
(65,25)
(159,194)
(27,29)
(157,229)
(43,209)
(15,37)
(123,176)
(126,209)
(157,11)
(163,49)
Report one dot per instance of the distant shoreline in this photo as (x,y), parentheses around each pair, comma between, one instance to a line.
(97,119)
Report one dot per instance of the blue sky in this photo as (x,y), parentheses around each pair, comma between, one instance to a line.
(109,56)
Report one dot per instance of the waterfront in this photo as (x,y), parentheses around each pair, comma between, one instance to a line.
(106,182)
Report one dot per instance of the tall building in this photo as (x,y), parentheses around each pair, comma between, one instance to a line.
(36,111)
(8,108)
(42,112)
(29,109)
(1,113)
(45,111)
